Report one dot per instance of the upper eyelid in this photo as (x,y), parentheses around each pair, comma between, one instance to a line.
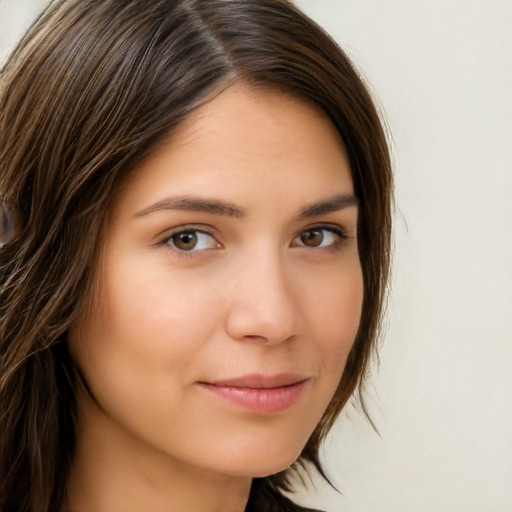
(336,230)
(201,228)
(333,227)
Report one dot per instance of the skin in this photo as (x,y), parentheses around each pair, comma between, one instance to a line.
(264,291)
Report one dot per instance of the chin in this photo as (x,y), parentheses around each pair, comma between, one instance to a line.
(262,463)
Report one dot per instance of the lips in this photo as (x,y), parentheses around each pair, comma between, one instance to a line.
(260,393)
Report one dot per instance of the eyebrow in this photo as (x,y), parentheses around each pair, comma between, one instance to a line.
(195,204)
(330,205)
(228,209)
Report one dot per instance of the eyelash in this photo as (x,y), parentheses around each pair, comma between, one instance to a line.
(167,241)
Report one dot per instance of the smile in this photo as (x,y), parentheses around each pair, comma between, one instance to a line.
(258,393)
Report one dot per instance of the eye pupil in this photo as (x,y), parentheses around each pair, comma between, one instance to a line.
(185,241)
(312,237)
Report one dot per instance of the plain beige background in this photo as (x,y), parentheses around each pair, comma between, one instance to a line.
(442,396)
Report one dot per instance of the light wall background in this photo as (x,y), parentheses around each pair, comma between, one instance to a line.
(441,396)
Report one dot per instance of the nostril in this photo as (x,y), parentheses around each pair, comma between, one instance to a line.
(255,338)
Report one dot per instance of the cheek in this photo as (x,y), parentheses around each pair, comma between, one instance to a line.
(141,329)
(152,308)
(337,314)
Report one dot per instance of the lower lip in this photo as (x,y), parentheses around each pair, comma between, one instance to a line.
(262,400)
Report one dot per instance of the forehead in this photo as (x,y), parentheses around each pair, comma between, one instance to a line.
(252,122)
(242,141)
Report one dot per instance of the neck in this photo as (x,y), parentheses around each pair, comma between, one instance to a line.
(114,471)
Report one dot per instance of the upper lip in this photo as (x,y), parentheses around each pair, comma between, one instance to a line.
(259,381)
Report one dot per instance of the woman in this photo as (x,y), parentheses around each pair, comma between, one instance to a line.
(197,210)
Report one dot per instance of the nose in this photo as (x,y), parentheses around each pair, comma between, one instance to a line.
(265,303)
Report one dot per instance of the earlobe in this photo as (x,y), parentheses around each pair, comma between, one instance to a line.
(10,222)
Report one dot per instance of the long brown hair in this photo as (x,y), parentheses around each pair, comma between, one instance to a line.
(89,91)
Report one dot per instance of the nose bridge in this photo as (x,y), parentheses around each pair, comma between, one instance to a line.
(264,305)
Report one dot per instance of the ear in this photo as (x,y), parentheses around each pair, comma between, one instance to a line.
(10,222)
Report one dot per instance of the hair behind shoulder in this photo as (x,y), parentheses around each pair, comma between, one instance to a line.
(92,88)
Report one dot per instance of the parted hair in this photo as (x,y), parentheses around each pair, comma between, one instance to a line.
(91,89)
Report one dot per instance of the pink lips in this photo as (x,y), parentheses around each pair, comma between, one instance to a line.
(258,393)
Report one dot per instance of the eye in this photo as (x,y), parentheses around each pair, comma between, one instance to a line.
(319,237)
(192,240)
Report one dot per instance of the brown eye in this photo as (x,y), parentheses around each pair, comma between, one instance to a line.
(192,240)
(185,241)
(312,237)
(319,238)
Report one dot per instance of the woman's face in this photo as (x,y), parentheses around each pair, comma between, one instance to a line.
(229,289)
